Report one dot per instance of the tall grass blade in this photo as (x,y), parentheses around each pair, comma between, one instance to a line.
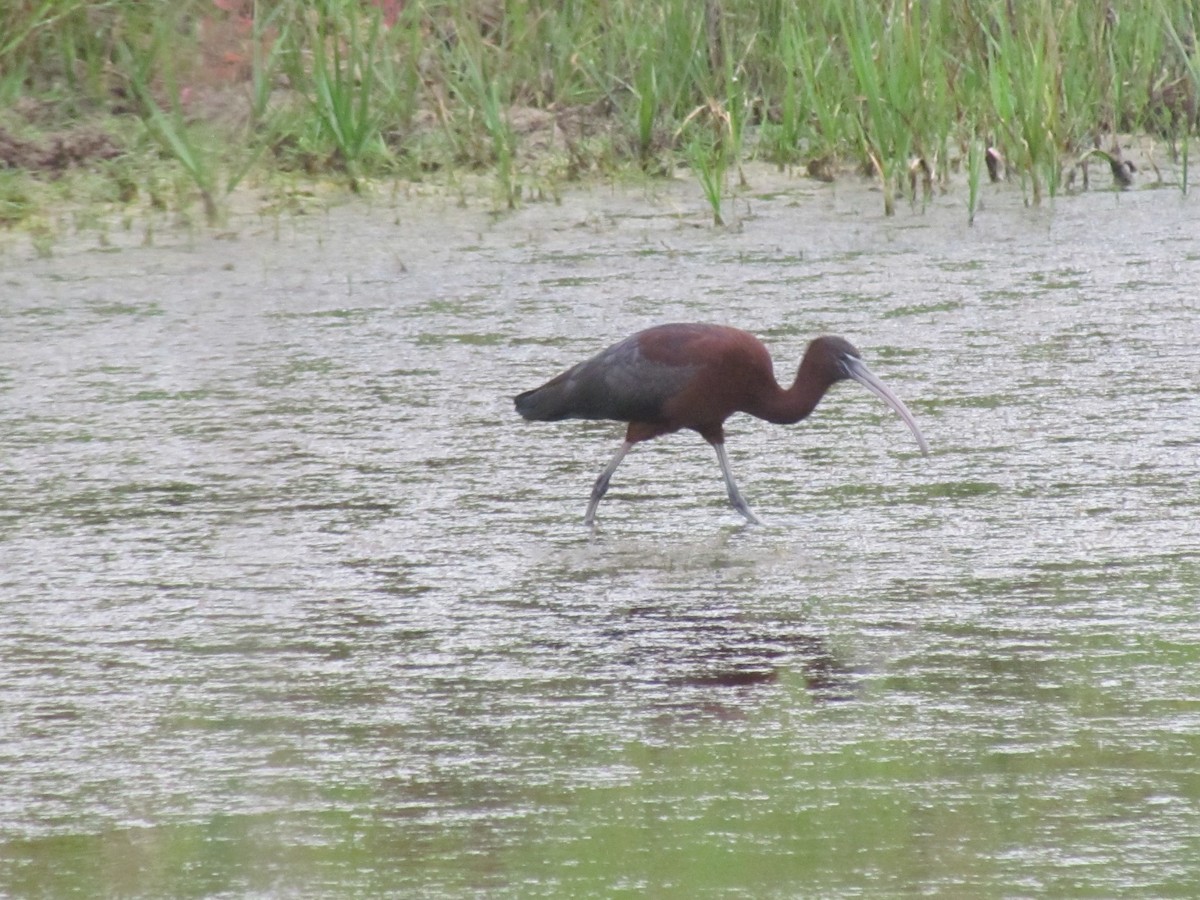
(975,152)
(171,131)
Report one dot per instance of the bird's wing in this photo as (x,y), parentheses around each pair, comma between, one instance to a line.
(618,383)
(633,388)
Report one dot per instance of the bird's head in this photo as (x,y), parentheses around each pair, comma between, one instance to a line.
(834,359)
(830,359)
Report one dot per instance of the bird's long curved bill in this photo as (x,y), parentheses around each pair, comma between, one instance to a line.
(864,376)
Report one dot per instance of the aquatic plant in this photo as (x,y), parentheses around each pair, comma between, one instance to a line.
(709,161)
(1184,120)
(178,138)
(341,85)
(975,167)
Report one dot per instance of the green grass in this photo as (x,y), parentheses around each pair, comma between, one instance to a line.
(709,161)
(975,166)
(177,138)
(342,98)
(16,201)
(348,89)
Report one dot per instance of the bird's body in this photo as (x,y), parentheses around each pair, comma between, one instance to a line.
(692,376)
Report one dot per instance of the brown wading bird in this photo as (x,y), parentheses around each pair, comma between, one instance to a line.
(696,376)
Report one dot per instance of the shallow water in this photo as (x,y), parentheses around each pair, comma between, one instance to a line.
(294,604)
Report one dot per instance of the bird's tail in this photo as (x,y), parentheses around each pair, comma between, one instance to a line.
(542,404)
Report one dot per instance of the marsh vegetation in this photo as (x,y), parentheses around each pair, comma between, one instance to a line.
(174,105)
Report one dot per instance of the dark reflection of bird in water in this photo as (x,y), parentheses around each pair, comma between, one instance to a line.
(828,679)
(760,658)
(714,651)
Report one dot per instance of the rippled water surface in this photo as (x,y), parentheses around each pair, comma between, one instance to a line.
(292,603)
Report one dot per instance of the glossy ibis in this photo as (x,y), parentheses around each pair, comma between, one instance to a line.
(696,376)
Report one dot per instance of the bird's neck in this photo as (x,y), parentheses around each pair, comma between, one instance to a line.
(789,405)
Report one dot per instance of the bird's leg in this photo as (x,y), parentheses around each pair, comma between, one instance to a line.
(735,496)
(601,485)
